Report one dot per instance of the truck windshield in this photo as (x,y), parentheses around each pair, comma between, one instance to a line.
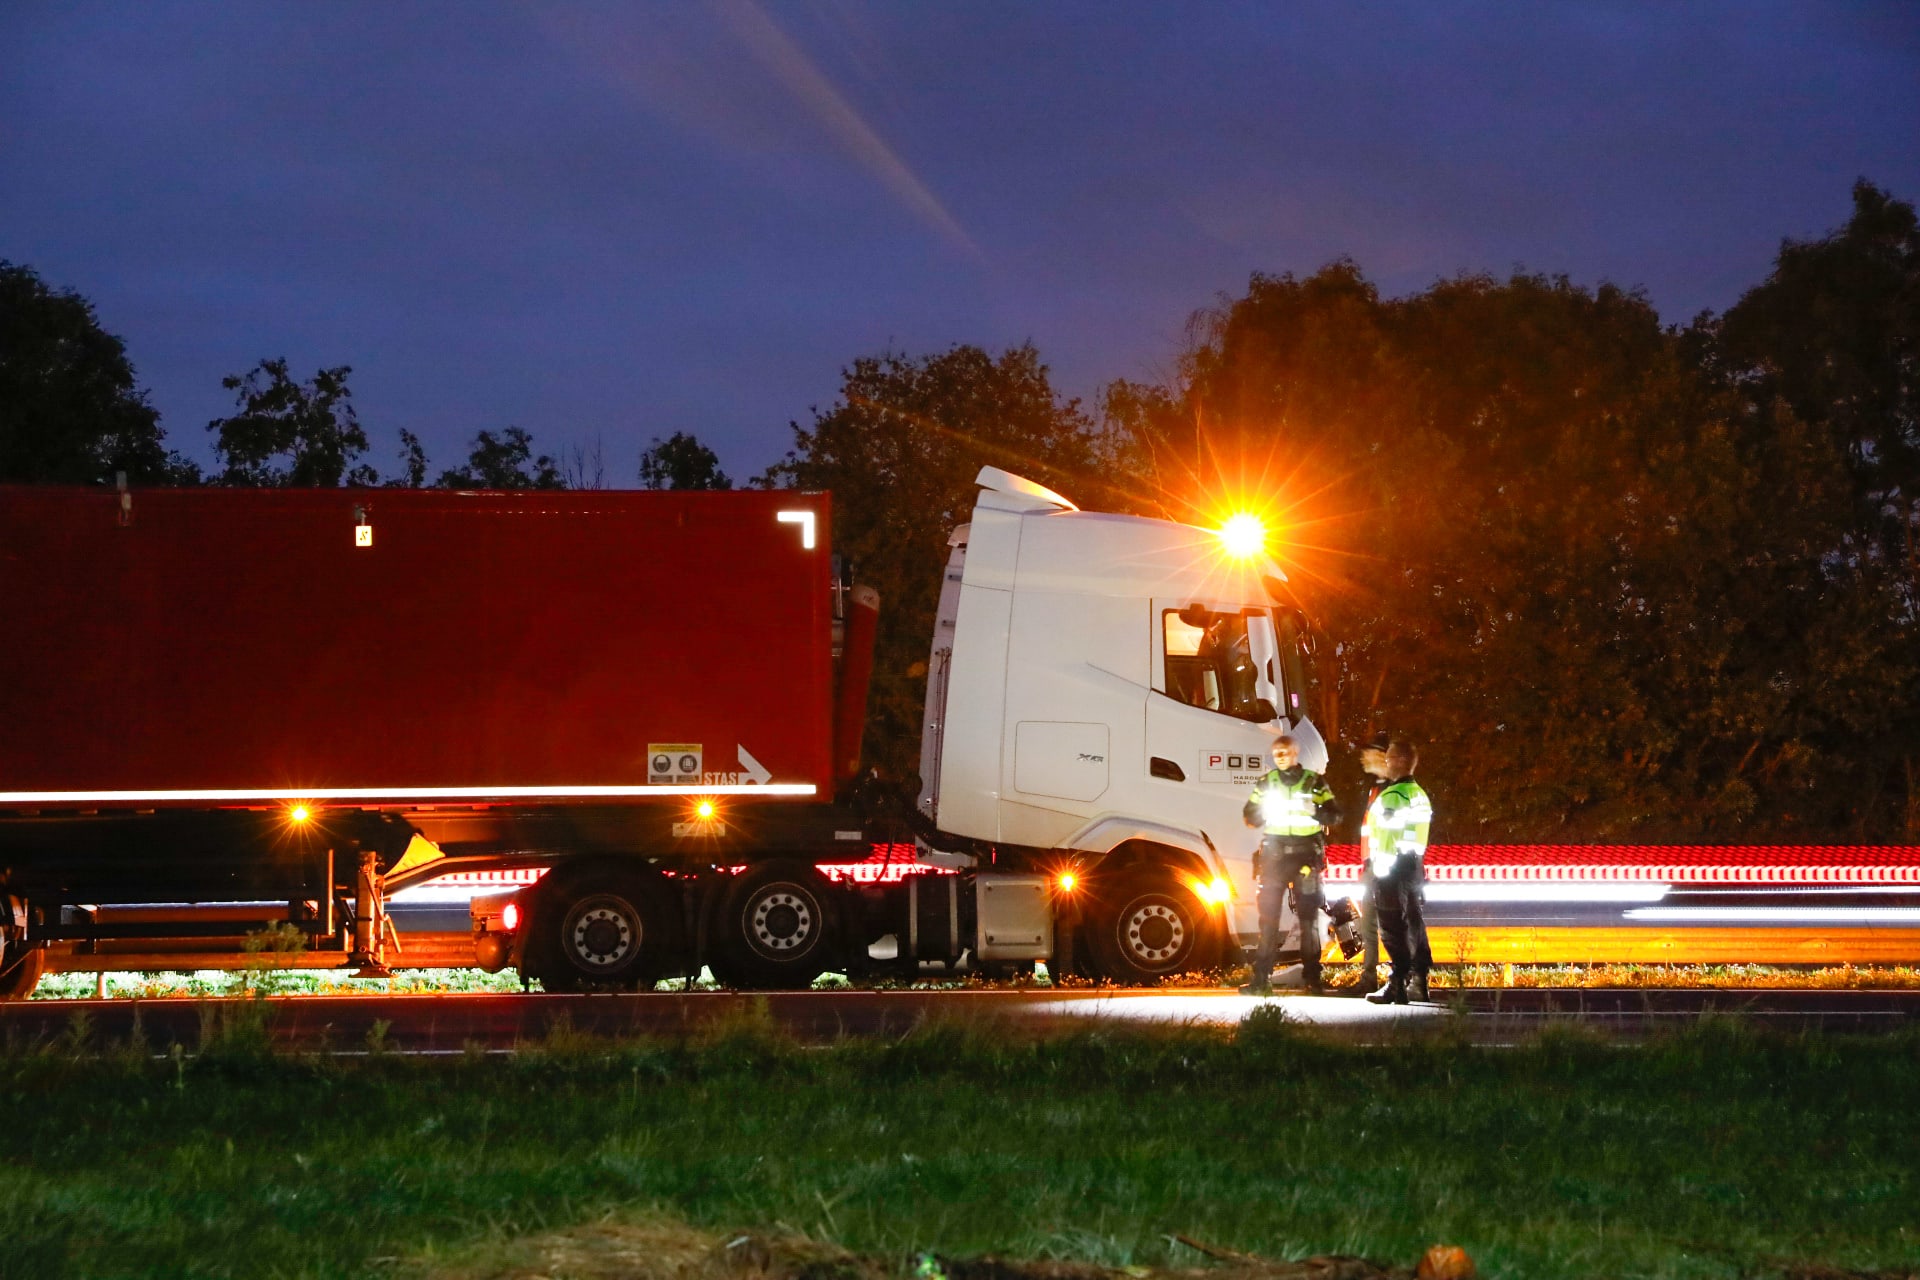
(1212,665)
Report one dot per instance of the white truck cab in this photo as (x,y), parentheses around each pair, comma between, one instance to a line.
(1103,683)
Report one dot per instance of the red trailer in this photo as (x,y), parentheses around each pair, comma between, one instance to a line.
(222,695)
(396,647)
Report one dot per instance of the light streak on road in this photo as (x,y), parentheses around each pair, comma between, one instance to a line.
(1547,891)
(1779,915)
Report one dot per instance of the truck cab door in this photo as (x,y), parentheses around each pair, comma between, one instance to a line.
(1207,740)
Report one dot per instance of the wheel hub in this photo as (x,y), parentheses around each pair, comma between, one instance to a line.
(1154,933)
(782,921)
(602,936)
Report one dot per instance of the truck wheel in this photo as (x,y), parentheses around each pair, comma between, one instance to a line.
(777,928)
(20,970)
(1145,928)
(614,933)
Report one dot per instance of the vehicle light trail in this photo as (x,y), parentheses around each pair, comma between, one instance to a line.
(1780,915)
(1549,891)
(1670,864)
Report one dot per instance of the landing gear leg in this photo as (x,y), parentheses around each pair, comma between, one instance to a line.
(370,919)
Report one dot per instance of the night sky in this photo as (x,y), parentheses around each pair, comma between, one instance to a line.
(626,220)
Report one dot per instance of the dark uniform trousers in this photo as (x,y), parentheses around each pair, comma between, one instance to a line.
(1290,863)
(1369,928)
(1400,906)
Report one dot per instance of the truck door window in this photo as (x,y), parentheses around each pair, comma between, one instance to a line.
(1264,644)
(1212,666)
(1293,672)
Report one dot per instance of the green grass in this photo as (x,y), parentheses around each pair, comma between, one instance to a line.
(1719,1153)
(273,980)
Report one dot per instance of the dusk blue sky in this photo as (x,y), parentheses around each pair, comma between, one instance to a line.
(624,220)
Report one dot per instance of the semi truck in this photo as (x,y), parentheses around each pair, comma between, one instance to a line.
(228,714)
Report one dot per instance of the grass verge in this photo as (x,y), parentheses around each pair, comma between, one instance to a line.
(1446,976)
(1721,1152)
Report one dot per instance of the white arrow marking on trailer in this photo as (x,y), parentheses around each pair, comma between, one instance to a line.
(754,770)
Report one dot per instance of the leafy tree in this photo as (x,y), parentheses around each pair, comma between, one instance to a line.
(290,433)
(1834,332)
(413,463)
(504,461)
(1832,339)
(899,450)
(69,410)
(1546,540)
(681,462)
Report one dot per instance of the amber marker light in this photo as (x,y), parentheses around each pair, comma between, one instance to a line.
(299,813)
(704,810)
(1216,892)
(1244,536)
(1066,880)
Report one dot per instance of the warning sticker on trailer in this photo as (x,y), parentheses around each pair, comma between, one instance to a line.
(675,764)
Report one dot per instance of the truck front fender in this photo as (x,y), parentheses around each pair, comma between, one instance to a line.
(1104,835)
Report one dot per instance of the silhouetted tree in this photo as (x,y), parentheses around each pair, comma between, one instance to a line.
(290,433)
(504,461)
(69,410)
(413,463)
(1831,339)
(586,466)
(681,462)
(1834,333)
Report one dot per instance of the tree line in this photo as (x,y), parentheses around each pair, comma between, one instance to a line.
(71,413)
(1621,580)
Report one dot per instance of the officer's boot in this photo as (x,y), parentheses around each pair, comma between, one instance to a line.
(1417,989)
(1395,992)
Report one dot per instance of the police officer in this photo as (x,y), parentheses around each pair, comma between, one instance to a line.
(1397,824)
(1293,806)
(1373,760)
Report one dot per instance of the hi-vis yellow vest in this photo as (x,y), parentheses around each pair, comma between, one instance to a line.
(1288,810)
(1398,822)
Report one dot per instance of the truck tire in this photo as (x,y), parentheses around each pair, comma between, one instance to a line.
(20,970)
(613,931)
(778,928)
(1144,928)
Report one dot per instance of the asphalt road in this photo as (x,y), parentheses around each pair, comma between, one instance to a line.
(457,1023)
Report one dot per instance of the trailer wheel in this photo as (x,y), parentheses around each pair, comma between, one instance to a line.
(778,928)
(21,968)
(1146,927)
(604,933)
